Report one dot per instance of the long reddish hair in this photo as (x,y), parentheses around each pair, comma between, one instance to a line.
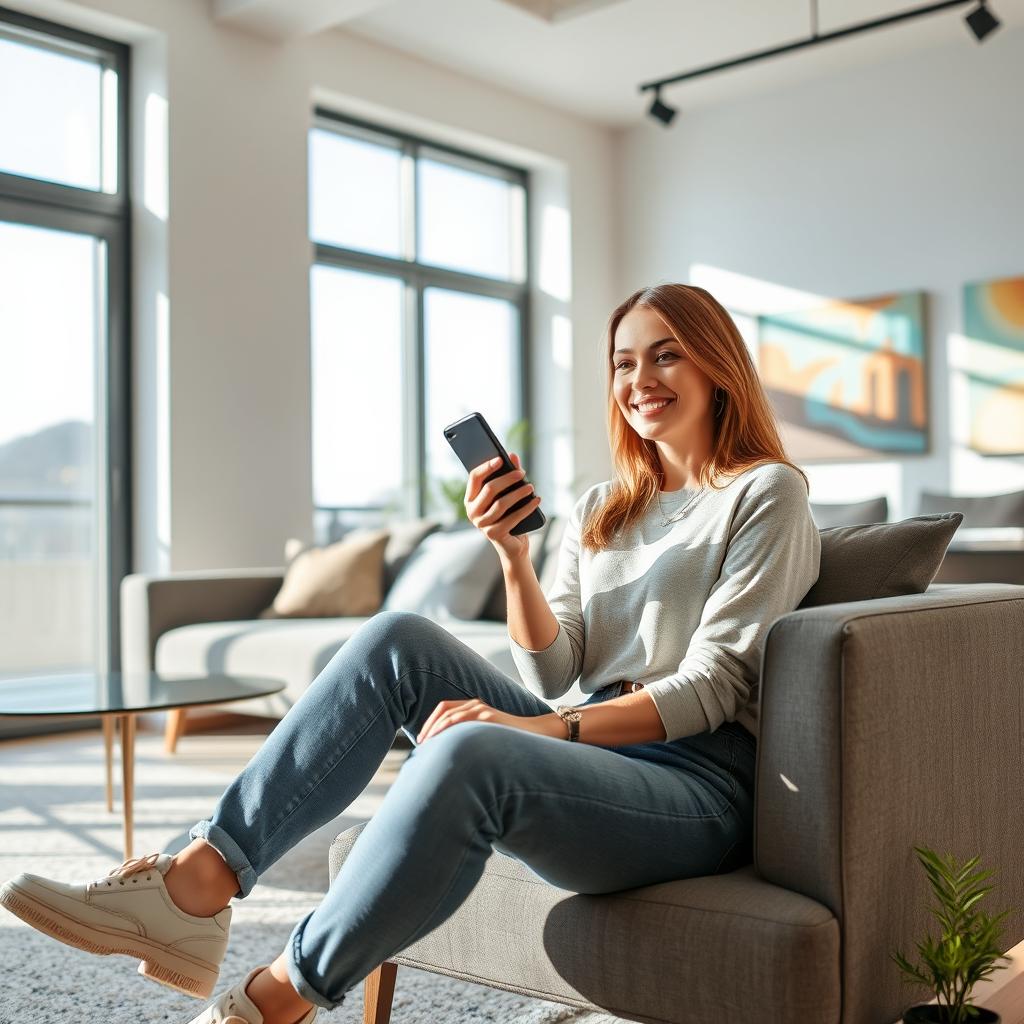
(745,430)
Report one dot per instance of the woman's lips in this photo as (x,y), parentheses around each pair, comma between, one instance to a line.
(651,413)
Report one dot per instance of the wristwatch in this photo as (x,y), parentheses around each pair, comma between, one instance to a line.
(571,716)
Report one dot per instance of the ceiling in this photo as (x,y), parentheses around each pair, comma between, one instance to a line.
(588,57)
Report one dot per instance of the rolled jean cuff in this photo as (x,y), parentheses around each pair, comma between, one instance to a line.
(295,975)
(230,851)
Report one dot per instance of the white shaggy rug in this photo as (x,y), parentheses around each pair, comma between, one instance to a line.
(54,822)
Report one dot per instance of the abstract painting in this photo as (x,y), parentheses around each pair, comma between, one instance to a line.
(994,364)
(848,378)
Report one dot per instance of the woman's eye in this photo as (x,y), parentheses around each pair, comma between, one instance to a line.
(671,355)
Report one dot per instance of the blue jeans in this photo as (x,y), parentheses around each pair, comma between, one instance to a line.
(584,817)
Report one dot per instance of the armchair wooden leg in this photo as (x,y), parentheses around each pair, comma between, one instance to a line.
(378,991)
(108,744)
(174,728)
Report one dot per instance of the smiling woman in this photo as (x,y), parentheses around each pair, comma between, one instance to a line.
(686,408)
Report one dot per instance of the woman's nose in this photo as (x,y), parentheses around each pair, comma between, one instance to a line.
(645,376)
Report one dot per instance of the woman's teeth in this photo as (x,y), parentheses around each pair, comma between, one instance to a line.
(652,408)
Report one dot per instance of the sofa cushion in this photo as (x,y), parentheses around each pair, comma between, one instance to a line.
(406,536)
(859,563)
(978,509)
(448,576)
(853,513)
(292,650)
(657,949)
(344,578)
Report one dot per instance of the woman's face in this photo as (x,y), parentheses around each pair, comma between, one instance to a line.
(664,371)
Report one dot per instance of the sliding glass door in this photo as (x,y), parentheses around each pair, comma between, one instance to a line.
(64,397)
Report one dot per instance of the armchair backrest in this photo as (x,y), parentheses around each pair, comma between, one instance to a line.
(886,724)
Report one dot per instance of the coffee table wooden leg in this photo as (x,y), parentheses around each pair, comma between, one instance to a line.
(108,744)
(128,777)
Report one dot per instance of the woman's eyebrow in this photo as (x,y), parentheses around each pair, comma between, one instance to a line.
(651,347)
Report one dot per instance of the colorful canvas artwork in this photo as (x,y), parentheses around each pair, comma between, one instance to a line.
(994,364)
(848,378)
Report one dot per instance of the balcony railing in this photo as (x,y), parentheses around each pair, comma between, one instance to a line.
(47,584)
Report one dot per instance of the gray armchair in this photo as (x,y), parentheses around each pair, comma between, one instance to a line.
(885,724)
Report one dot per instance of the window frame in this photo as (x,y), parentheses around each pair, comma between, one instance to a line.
(417,277)
(106,216)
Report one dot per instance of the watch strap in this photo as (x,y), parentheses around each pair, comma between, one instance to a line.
(571,716)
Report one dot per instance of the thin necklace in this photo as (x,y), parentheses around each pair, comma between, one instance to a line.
(678,515)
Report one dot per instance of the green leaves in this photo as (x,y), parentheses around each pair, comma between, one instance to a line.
(969,945)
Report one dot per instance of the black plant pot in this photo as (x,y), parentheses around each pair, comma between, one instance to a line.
(933,1013)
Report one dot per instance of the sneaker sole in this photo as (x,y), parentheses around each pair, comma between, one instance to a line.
(165,966)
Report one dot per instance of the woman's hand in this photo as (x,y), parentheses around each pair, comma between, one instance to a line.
(485,510)
(450,712)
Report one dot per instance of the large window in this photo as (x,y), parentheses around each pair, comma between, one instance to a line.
(419,316)
(64,484)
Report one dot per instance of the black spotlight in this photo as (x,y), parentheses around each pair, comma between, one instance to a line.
(662,111)
(982,21)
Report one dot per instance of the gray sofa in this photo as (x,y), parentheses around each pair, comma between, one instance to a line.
(197,622)
(885,724)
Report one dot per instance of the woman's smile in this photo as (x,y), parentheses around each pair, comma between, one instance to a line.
(650,411)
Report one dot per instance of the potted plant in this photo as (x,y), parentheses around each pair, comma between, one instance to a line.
(968,947)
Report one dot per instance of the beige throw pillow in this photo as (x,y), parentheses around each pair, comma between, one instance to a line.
(344,578)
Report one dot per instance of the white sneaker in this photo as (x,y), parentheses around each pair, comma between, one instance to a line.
(128,912)
(235,1007)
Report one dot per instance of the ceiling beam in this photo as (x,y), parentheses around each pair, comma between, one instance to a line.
(287,19)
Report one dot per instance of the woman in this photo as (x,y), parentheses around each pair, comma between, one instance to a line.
(668,579)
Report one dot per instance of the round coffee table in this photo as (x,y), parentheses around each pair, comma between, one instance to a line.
(118,697)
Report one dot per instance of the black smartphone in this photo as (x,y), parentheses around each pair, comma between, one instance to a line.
(474,442)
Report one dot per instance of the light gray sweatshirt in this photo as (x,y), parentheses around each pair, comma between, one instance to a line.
(684,608)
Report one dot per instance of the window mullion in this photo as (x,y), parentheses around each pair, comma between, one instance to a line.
(410,238)
(420,406)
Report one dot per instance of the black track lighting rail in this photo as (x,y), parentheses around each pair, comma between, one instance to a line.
(813,40)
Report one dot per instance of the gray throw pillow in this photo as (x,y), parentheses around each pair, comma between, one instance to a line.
(496,608)
(853,513)
(859,563)
(406,536)
(978,509)
(448,576)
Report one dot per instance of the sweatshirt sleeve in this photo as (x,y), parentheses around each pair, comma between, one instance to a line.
(771,561)
(551,672)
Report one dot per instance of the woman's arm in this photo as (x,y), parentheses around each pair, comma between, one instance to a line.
(546,631)
(631,718)
(531,623)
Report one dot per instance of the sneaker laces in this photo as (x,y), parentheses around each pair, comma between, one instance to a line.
(132,866)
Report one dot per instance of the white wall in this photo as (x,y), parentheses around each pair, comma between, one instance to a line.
(222,259)
(902,175)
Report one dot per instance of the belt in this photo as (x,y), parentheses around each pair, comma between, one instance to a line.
(628,687)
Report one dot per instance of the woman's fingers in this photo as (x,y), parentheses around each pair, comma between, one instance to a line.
(442,716)
(431,718)
(501,505)
(486,499)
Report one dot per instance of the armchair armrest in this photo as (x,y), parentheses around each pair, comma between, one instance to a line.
(887,724)
(152,605)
